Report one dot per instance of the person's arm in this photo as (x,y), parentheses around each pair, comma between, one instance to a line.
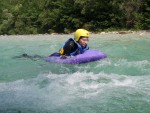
(69,47)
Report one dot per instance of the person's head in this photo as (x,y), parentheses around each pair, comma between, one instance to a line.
(81,36)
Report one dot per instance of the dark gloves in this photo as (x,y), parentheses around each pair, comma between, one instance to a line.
(63,56)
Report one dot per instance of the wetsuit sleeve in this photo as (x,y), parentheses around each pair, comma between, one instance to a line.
(69,47)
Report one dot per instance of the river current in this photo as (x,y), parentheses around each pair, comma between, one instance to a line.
(118,84)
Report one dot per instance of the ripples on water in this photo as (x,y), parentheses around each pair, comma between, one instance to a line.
(117,84)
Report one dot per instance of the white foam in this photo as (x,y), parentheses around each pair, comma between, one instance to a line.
(61,89)
(123,83)
(89,86)
(105,62)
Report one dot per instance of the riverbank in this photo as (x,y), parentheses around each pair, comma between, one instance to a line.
(140,32)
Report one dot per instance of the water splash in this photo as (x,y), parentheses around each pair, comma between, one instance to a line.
(52,91)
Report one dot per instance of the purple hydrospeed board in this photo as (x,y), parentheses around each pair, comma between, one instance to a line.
(87,56)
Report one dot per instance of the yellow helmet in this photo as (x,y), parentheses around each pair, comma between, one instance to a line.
(79,33)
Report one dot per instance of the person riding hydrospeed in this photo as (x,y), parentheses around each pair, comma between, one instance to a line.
(76,45)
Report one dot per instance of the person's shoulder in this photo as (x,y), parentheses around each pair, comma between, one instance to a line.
(71,43)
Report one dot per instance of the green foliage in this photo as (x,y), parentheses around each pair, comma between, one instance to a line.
(65,16)
(146,14)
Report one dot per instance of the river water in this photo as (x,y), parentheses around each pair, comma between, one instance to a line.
(118,84)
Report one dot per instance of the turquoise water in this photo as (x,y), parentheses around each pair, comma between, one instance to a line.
(117,84)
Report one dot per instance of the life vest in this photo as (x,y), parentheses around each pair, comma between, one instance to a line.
(79,50)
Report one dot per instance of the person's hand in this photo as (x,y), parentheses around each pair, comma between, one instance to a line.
(63,56)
